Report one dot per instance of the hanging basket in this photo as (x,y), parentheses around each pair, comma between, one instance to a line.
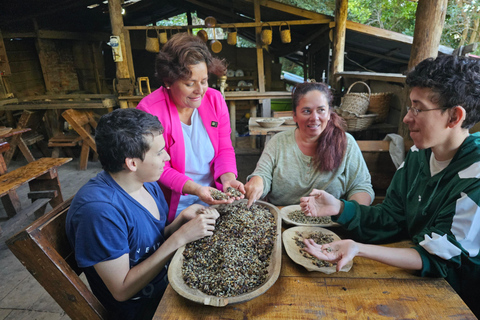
(380,104)
(285,34)
(151,43)
(232,36)
(266,35)
(355,103)
(162,37)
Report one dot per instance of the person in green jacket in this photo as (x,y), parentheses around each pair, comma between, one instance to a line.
(434,197)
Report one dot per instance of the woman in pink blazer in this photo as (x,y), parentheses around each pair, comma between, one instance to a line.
(196,125)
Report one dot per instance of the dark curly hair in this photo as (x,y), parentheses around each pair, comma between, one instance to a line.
(122,134)
(181,51)
(455,81)
(332,142)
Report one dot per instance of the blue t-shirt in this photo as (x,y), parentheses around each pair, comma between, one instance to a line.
(103,223)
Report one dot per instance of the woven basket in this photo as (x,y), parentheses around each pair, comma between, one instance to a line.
(359,123)
(380,104)
(356,103)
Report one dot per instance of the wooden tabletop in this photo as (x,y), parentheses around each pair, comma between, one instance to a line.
(14,132)
(255,129)
(23,174)
(369,290)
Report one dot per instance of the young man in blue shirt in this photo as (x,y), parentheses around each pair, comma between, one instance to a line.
(116,223)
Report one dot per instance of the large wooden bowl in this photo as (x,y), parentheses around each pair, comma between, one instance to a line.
(175,276)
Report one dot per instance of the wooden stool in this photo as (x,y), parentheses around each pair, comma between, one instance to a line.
(62,140)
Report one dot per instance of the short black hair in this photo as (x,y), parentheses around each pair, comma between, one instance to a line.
(123,134)
(455,81)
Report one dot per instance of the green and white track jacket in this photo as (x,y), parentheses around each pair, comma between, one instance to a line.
(440,214)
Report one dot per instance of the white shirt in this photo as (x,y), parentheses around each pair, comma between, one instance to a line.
(437,166)
(199,154)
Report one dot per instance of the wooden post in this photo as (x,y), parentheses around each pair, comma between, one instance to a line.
(430,18)
(258,30)
(116,20)
(341,11)
(266,105)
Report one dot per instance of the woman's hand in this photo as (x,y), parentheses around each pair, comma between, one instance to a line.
(204,194)
(235,184)
(254,190)
(342,251)
(321,203)
(200,226)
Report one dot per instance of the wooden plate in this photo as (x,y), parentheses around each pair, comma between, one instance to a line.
(175,276)
(286,210)
(294,253)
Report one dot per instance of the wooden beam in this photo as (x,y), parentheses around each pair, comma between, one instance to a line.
(260,66)
(116,20)
(238,24)
(381,33)
(51,106)
(11,35)
(65,35)
(339,33)
(292,10)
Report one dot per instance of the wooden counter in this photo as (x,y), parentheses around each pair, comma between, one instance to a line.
(232,96)
(369,290)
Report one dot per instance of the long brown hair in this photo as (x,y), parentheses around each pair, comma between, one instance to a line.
(332,142)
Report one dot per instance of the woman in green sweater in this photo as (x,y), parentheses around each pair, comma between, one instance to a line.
(317,154)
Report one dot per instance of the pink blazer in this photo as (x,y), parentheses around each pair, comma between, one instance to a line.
(214,114)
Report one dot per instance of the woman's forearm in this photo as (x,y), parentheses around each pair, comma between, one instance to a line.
(362,198)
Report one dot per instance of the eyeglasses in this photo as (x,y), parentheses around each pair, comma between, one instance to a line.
(416,111)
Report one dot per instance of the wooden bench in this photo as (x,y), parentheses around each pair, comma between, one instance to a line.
(83,122)
(44,250)
(42,177)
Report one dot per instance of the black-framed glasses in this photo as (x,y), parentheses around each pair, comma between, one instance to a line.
(416,111)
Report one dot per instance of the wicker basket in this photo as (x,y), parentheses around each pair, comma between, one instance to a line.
(359,123)
(380,104)
(356,103)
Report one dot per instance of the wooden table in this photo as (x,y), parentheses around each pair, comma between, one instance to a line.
(42,177)
(370,290)
(232,96)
